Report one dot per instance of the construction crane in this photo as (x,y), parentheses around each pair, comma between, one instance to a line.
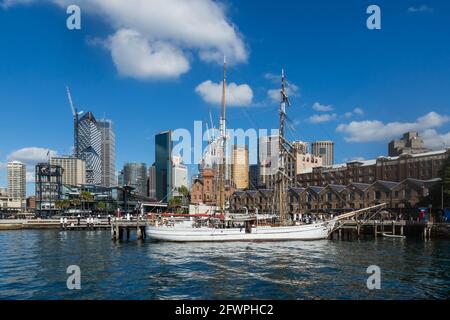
(75,114)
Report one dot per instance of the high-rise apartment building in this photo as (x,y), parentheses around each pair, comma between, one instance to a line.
(325,150)
(73,170)
(90,148)
(163,165)
(17,179)
(135,175)
(108,155)
(239,167)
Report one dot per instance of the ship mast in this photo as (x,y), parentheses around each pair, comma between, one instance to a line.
(223,143)
(283,152)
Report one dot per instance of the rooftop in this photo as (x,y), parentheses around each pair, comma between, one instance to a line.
(374,161)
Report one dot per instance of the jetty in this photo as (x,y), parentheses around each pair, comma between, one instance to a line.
(124,228)
(351,229)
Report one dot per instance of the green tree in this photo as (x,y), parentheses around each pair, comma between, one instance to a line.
(58,204)
(184,191)
(62,204)
(86,197)
(174,203)
(101,206)
(75,202)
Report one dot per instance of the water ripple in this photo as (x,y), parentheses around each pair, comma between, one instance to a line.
(33,266)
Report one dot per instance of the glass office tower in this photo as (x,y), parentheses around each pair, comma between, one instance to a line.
(163,164)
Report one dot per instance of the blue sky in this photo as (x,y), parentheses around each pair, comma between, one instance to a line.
(356,86)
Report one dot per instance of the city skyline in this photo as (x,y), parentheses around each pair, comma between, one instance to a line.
(336,95)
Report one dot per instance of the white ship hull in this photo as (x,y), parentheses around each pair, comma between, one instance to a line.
(316,231)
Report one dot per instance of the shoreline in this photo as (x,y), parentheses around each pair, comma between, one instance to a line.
(24,224)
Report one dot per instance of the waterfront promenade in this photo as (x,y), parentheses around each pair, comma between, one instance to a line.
(30,224)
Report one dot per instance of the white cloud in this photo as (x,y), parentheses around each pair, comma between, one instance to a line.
(275,78)
(163,32)
(292,90)
(274,94)
(8,3)
(433,140)
(31,155)
(134,56)
(237,95)
(322,108)
(358,111)
(320,118)
(422,8)
(30,176)
(432,120)
(374,130)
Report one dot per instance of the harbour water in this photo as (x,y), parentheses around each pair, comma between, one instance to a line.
(33,265)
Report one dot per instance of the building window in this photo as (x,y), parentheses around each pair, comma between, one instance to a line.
(377,195)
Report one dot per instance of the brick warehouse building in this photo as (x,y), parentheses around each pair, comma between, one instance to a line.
(333,197)
(422,166)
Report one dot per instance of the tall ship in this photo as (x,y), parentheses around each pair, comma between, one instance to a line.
(227,226)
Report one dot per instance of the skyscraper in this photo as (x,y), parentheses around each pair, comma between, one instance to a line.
(179,174)
(324,149)
(268,153)
(17,178)
(135,175)
(90,148)
(239,167)
(163,165)
(74,170)
(108,153)
(253,176)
